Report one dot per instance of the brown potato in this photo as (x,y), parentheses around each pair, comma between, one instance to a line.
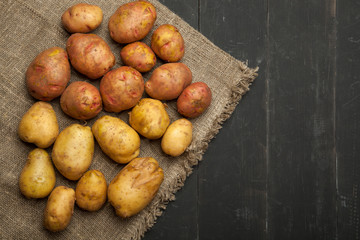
(59,209)
(82,18)
(39,125)
(167,43)
(90,54)
(91,191)
(168,81)
(132,21)
(194,100)
(37,179)
(121,89)
(116,139)
(134,187)
(177,137)
(81,100)
(139,56)
(149,118)
(48,74)
(73,151)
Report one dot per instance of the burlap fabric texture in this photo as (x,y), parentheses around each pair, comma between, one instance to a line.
(30,26)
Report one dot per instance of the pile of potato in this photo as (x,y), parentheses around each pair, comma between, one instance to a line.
(47,78)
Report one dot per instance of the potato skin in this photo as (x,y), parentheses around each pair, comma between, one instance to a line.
(177,137)
(89,54)
(139,56)
(149,118)
(73,151)
(39,125)
(59,208)
(134,187)
(167,43)
(37,178)
(116,139)
(82,18)
(168,81)
(132,21)
(121,89)
(81,100)
(48,74)
(194,100)
(91,191)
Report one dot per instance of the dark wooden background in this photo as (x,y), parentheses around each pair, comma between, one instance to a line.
(286,165)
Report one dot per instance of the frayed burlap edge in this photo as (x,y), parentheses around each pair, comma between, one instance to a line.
(195,153)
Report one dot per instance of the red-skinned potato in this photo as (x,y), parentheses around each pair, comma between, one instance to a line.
(139,56)
(81,100)
(82,18)
(168,81)
(121,89)
(167,43)
(194,100)
(48,74)
(90,55)
(132,21)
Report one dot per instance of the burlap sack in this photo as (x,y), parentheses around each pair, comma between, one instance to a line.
(31,26)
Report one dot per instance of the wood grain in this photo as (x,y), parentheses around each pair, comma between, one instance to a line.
(348,118)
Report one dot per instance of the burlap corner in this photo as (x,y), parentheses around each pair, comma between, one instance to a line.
(29,27)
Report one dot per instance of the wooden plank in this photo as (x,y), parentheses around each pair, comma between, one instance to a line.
(301,159)
(232,176)
(179,220)
(348,118)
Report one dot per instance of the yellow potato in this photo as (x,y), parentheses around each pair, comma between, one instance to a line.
(177,137)
(73,151)
(82,18)
(134,187)
(37,179)
(116,139)
(149,118)
(91,190)
(59,208)
(39,125)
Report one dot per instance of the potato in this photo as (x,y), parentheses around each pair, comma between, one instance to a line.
(149,118)
(134,187)
(167,43)
(177,137)
(90,54)
(81,100)
(37,179)
(82,18)
(194,100)
(139,56)
(91,191)
(59,208)
(39,125)
(116,139)
(73,151)
(132,21)
(48,74)
(121,89)
(168,81)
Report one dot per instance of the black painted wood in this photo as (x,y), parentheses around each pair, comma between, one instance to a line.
(232,178)
(301,181)
(286,165)
(348,118)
